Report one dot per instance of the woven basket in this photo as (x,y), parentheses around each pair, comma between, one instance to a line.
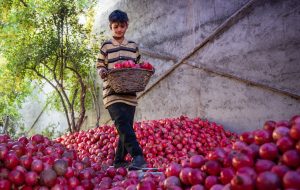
(127,80)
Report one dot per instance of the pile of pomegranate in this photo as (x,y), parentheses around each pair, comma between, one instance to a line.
(163,141)
(191,154)
(264,159)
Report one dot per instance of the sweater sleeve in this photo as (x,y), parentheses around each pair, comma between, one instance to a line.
(138,55)
(102,58)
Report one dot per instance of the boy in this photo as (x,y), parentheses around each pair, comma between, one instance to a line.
(121,107)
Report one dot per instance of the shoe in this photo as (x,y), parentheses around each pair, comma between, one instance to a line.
(137,163)
(123,164)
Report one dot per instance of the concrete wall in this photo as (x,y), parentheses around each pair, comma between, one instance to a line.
(262,47)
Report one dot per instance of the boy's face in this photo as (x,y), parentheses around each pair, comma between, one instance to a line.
(118,29)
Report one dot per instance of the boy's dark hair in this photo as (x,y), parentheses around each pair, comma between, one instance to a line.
(118,16)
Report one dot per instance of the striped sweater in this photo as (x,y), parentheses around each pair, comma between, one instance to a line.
(112,52)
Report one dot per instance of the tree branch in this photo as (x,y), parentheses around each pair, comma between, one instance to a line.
(55,65)
(6,123)
(59,93)
(72,104)
(25,4)
(67,44)
(62,91)
(62,50)
(82,98)
(59,85)
(48,67)
(74,97)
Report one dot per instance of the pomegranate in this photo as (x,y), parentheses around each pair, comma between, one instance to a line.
(242,160)
(295,131)
(262,136)
(291,158)
(16,177)
(247,137)
(284,144)
(184,175)
(196,176)
(3,152)
(37,165)
(171,181)
(268,151)
(291,180)
(11,161)
(280,170)
(226,175)
(210,181)
(31,178)
(5,184)
(173,170)
(247,171)
(269,125)
(267,180)
(262,165)
(197,187)
(197,161)
(280,132)
(241,182)
(48,177)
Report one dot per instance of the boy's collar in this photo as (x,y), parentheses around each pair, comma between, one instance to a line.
(116,43)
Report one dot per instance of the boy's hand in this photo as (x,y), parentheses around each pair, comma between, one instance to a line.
(102,72)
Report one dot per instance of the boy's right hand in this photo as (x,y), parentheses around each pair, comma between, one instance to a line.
(103,73)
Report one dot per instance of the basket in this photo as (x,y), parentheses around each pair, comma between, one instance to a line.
(128,80)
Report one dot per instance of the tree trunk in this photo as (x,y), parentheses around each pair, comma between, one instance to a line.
(6,123)
(82,108)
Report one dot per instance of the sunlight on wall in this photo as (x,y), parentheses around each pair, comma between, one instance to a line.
(104,5)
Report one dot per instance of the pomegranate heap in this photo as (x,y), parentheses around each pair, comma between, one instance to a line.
(268,158)
(40,164)
(163,141)
(193,154)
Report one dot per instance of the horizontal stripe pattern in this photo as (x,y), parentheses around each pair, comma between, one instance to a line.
(100,64)
(103,53)
(120,58)
(121,101)
(105,43)
(121,48)
(110,53)
(130,100)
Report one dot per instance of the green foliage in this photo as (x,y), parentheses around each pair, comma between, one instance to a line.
(51,132)
(13,91)
(16,129)
(44,42)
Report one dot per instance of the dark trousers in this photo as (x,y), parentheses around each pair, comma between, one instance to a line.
(122,114)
